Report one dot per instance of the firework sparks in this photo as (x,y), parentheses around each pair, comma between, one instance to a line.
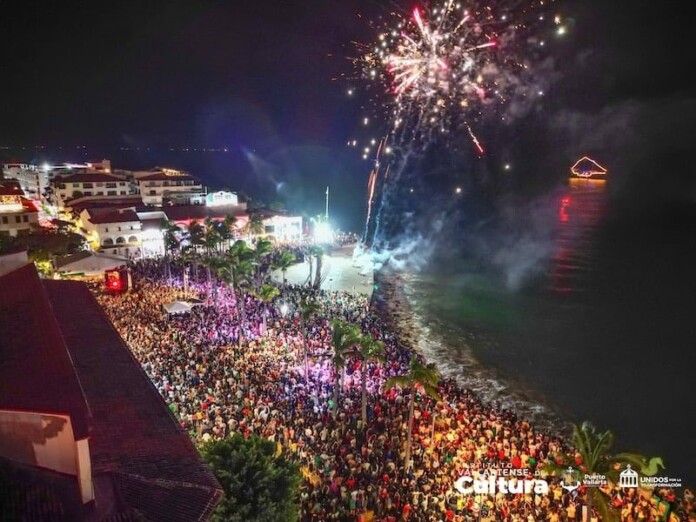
(445,64)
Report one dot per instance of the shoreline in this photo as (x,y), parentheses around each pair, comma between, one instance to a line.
(391,305)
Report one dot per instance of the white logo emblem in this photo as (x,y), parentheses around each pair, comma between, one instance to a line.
(571,480)
(628,478)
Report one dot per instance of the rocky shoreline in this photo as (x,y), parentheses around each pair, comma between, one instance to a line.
(391,304)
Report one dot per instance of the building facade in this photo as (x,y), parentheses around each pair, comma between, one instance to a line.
(82,184)
(18,215)
(113,231)
(33,180)
(158,186)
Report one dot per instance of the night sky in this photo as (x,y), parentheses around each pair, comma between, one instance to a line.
(264,79)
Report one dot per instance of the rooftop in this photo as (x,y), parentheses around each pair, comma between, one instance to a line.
(10,188)
(163,176)
(103,216)
(89,177)
(36,372)
(63,354)
(189,212)
(83,202)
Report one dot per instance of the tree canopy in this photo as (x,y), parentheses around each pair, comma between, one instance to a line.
(259,485)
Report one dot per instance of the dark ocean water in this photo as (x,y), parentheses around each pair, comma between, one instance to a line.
(606,332)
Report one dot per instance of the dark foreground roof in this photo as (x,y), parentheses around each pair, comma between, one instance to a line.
(36,373)
(143,462)
(134,436)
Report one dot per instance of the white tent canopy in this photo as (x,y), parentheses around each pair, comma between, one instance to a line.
(177,307)
(89,263)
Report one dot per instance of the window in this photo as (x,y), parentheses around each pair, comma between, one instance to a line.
(110,192)
(4,220)
(106,229)
(87,185)
(61,185)
(25,218)
(100,193)
(121,184)
(119,229)
(87,192)
(132,239)
(18,219)
(153,192)
(111,185)
(123,192)
(132,227)
(120,240)
(108,242)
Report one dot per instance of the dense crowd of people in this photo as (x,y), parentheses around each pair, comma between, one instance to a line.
(220,377)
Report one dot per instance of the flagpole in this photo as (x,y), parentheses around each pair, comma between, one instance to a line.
(327,204)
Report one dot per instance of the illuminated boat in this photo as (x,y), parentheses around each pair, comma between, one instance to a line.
(587,168)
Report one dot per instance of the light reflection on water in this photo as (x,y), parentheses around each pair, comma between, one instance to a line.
(581,207)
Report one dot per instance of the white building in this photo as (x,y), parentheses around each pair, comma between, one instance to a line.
(17,214)
(89,184)
(32,179)
(113,231)
(284,228)
(221,198)
(159,186)
(152,233)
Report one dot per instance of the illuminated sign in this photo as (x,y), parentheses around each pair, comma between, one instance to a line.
(587,167)
(117,280)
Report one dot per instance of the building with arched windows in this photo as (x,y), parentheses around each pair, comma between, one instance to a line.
(113,231)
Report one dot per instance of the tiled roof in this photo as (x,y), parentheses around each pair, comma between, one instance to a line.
(10,188)
(161,176)
(200,212)
(89,177)
(83,202)
(153,463)
(36,373)
(112,216)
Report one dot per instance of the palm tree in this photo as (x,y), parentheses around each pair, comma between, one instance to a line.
(263,249)
(368,349)
(594,457)
(344,338)
(238,271)
(195,234)
(308,309)
(310,261)
(419,375)
(212,237)
(189,255)
(266,294)
(226,229)
(285,261)
(215,265)
(255,226)
(211,264)
(318,252)
(171,241)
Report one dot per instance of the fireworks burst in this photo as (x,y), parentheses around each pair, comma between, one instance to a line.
(444,65)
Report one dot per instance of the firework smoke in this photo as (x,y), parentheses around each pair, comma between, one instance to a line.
(444,67)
